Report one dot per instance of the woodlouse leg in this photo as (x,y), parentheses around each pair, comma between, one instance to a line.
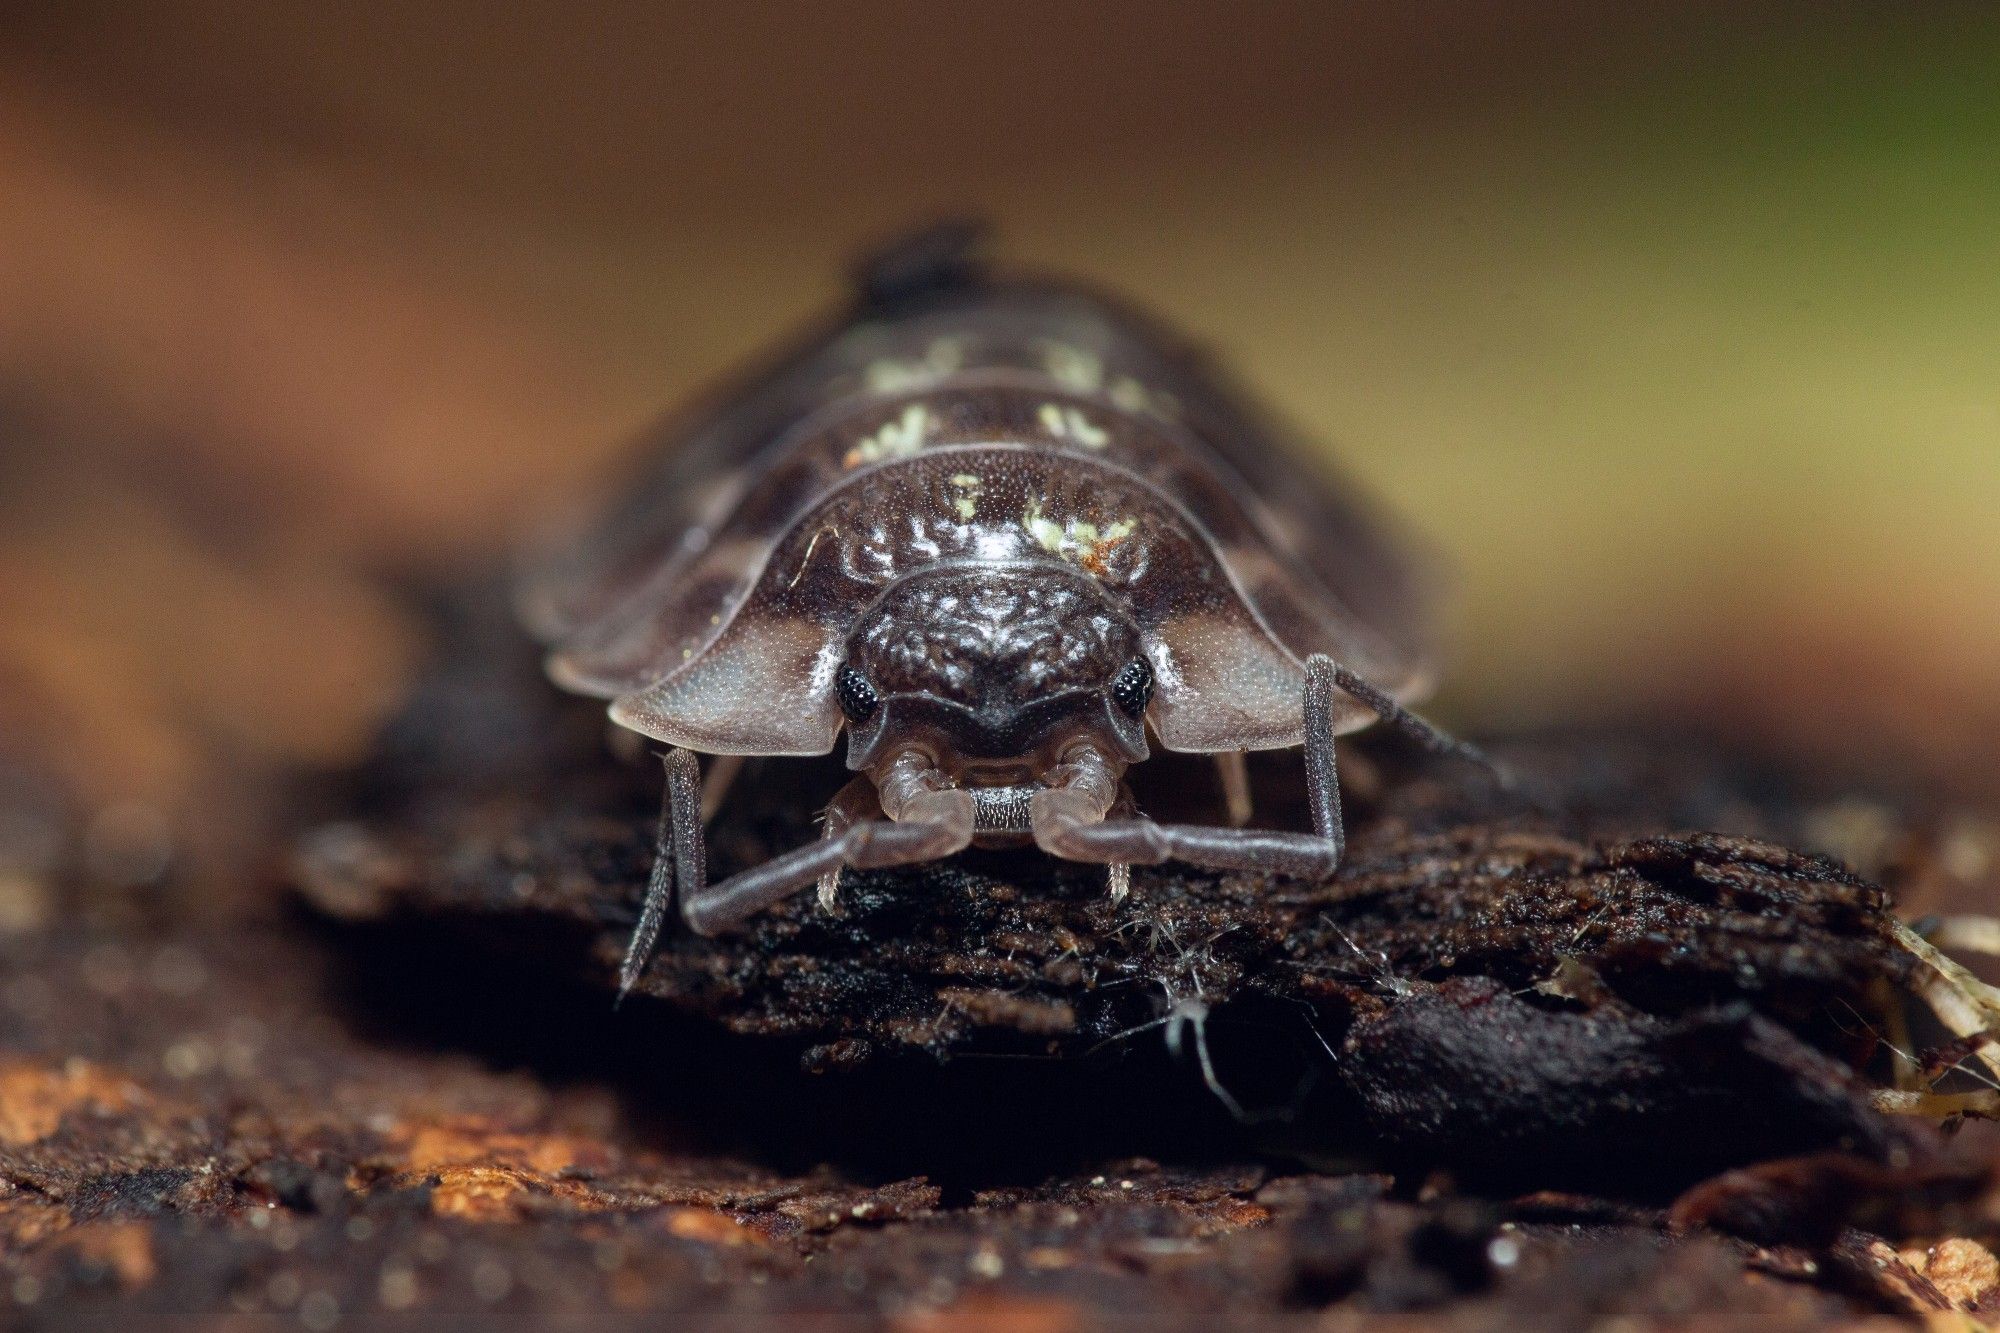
(1235,775)
(1322,769)
(1069,818)
(1118,875)
(932,825)
(722,774)
(679,856)
(852,804)
(1140,841)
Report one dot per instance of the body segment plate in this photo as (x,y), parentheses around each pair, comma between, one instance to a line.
(1018,425)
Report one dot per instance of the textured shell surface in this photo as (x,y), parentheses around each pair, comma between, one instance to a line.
(1023,433)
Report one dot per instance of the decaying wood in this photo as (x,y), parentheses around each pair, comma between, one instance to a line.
(1545,1062)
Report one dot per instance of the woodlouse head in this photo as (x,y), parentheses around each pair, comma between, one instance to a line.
(994,672)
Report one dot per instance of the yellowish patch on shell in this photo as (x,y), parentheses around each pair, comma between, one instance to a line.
(1129,395)
(1072,423)
(894,439)
(1076,540)
(1075,369)
(890,374)
(965,487)
(1082,371)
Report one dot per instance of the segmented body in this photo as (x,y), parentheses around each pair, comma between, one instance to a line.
(1003,535)
(1000,425)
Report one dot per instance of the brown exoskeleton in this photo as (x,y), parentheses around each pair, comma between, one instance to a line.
(995,532)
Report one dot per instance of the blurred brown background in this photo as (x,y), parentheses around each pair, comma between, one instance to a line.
(1678,324)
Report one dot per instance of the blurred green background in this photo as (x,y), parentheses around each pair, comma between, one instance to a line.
(1677,325)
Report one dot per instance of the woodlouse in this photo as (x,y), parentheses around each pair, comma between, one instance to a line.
(998,532)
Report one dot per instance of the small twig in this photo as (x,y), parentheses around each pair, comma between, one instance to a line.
(1936,1105)
(1970,934)
(1963,1003)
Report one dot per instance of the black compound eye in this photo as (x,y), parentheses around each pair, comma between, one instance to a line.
(857,697)
(1133,688)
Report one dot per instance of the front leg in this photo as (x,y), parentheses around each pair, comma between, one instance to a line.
(1140,841)
(680,855)
(927,827)
(852,804)
(1070,818)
